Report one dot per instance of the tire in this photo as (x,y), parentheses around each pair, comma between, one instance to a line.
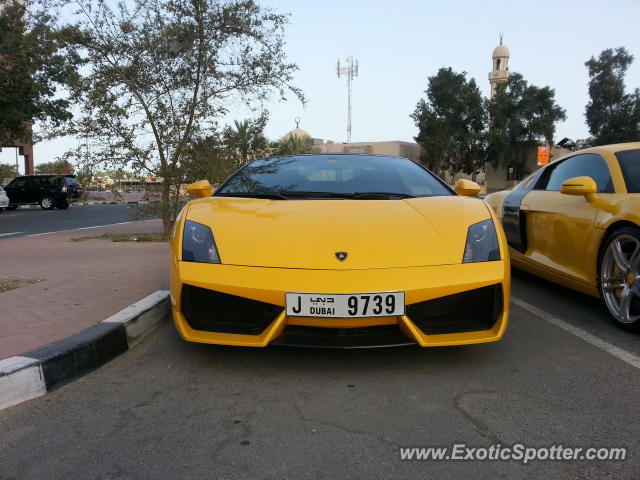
(12,207)
(47,203)
(619,277)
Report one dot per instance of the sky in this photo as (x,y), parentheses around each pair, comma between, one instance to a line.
(400,43)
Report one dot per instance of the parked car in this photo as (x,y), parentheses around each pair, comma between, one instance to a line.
(338,251)
(4,200)
(576,222)
(49,191)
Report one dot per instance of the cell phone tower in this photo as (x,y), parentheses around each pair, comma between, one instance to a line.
(351,70)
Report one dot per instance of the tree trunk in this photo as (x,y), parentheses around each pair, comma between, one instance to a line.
(165,207)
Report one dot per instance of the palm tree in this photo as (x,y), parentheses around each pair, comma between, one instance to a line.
(246,139)
(294,145)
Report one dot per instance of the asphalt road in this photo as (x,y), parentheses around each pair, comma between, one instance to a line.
(169,409)
(32,221)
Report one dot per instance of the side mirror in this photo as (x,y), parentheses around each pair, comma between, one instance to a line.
(466,188)
(200,189)
(582,186)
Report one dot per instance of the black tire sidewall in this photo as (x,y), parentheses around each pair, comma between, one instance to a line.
(626,230)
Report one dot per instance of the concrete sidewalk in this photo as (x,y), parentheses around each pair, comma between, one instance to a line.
(78,283)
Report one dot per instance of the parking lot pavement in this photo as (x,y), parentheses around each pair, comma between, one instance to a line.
(73,285)
(25,222)
(170,409)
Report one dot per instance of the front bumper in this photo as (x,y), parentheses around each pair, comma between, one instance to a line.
(269,285)
(4,202)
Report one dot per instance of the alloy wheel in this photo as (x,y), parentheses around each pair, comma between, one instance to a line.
(46,203)
(620,278)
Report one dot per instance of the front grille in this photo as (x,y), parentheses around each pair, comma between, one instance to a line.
(359,337)
(213,311)
(468,311)
(341,332)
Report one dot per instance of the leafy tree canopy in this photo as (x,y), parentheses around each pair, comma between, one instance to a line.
(210,158)
(612,115)
(57,166)
(160,75)
(521,117)
(8,171)
(451,122)
(34,62)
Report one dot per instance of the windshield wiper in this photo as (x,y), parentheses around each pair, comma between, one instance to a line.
(376,195)
(269,195)
(303,193)
(346,195)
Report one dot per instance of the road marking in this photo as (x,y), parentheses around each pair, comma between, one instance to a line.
(617,352)
(7,234)
(82,228)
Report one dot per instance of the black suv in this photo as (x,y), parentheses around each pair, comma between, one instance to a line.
(49,191)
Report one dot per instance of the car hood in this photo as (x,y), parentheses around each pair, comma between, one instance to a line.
(308,233)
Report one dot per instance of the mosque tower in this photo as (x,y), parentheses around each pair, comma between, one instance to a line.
(500,72)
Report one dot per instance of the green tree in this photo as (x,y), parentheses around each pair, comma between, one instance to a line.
(163,72)
(209,158)
(613,116)
(246,139)
(522,116)
(293,145)
(8,171)
(35,61)
(59,166)
(451,122)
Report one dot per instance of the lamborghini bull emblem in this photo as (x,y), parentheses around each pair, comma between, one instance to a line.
(342,256)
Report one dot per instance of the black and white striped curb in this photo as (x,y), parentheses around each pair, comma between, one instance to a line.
(35,373)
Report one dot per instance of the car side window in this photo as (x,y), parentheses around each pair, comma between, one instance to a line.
(585,165)
(629,161)
(33,183)
(18,183)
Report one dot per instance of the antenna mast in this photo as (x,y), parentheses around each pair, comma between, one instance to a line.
(351,70)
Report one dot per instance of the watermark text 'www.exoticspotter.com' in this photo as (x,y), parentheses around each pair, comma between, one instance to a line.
(515,453)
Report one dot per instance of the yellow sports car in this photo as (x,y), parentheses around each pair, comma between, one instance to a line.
(576,222)
(338,251)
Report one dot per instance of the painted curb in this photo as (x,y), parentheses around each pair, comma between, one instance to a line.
(35,373)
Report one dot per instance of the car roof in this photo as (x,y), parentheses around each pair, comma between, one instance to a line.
(48,175)
(612,148)
(337,154)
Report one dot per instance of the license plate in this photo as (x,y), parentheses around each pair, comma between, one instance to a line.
(352,305)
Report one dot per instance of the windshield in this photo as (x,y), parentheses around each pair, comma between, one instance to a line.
(333,176)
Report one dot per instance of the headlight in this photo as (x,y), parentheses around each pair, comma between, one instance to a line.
(482,243)
(198,244)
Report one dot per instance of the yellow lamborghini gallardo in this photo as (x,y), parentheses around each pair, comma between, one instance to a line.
(338,251)
(577,222)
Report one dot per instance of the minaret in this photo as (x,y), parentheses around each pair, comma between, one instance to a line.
(500,72)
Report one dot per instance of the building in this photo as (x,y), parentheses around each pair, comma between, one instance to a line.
(393,148)
(500,72)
